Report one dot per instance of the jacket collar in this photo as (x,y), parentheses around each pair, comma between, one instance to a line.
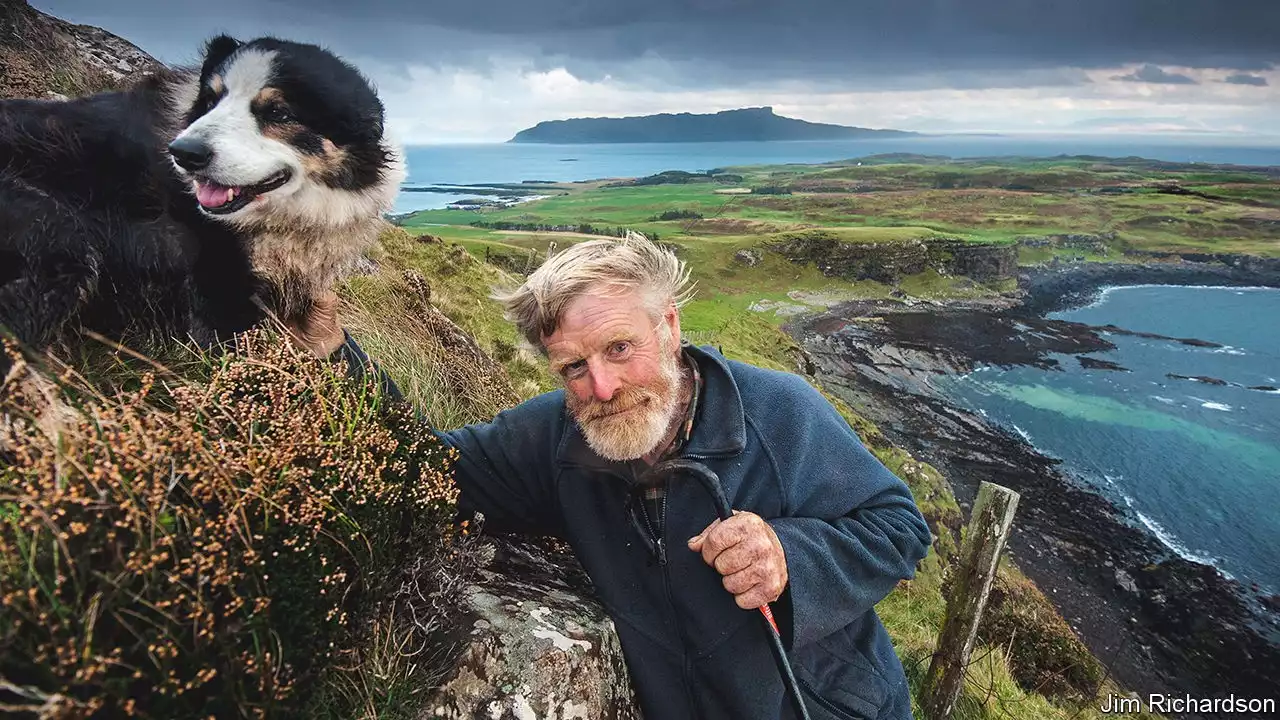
(719,426)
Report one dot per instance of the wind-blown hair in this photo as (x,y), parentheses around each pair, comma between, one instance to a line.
(596,267)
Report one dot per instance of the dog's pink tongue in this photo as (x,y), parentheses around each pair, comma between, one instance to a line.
(211,194)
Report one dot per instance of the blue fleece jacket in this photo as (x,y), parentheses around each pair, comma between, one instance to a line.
(850,530)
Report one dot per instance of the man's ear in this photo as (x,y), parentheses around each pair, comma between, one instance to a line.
(672,317)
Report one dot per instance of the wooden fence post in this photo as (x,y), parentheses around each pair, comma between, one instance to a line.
(988,530)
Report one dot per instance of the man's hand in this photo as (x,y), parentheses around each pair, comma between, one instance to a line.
(746,552)
(319,330)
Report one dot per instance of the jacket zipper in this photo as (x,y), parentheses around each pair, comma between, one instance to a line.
(687,669)
(686,674)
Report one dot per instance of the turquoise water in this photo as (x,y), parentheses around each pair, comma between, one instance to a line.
(1196,464)
(464,164)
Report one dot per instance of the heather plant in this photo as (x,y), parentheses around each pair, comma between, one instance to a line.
(215,542)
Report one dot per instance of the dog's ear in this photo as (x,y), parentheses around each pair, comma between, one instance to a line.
(216,51)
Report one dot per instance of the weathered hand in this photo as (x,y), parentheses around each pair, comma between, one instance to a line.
(319,331)
(746,552)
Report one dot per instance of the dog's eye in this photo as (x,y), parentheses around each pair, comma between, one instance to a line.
(205,101)
(277,114)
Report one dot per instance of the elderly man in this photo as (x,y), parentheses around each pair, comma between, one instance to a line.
(821,528)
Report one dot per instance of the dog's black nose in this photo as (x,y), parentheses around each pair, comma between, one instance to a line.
(190,154)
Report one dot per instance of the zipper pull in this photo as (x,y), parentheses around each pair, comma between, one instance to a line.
(662,551)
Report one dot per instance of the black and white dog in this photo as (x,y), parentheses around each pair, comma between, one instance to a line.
(162,211)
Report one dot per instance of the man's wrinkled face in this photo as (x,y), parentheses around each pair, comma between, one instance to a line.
(621,372)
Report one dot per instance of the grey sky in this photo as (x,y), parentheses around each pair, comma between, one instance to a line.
(1155,74)
(1246,79)
(767,52)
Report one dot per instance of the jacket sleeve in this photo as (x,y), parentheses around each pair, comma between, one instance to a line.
(505,468)
(851,528)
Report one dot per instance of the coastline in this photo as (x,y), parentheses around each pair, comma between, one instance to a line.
(1050,289)
(1161,623)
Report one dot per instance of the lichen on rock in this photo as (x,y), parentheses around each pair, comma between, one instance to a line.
(539,646)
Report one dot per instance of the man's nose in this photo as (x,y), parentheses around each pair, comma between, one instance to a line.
(190,154)
(604,383)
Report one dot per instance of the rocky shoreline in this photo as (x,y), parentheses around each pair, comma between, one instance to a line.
(1159,622)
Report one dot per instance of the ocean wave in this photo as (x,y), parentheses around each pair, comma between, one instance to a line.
(1102,293)
(1171,542)
(971,373)
(1228,350)
(1165,400)
(1216,406)
(1023,433)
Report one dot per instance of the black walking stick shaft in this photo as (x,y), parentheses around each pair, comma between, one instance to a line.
(711,483)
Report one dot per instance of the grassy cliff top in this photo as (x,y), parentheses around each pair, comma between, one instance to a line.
(1145,204)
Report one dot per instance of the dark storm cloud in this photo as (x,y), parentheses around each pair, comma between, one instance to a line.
(714,41)
(998,33)
(1246,79)
(1155,74)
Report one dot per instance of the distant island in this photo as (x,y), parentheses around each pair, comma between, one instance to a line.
(729,125)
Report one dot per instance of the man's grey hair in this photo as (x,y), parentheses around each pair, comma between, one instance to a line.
(596,266)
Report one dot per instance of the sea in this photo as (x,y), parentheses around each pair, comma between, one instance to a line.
(1196,464)
(474,164)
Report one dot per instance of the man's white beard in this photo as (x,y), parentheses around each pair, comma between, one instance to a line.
(633,434)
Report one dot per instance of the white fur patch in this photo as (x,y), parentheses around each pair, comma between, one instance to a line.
(319,204)
(242,155)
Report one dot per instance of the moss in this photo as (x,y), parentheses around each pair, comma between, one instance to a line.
(1044,654)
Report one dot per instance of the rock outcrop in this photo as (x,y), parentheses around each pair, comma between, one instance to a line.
(884,262)
(539,646)
(44,57)
(1075,241)
(889,262)
(983,262)
(749,257)
(1265,269)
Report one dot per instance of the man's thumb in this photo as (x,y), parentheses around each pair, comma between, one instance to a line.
(695,542)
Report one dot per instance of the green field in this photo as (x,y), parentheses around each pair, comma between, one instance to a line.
(1148,205)
(1131,204)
